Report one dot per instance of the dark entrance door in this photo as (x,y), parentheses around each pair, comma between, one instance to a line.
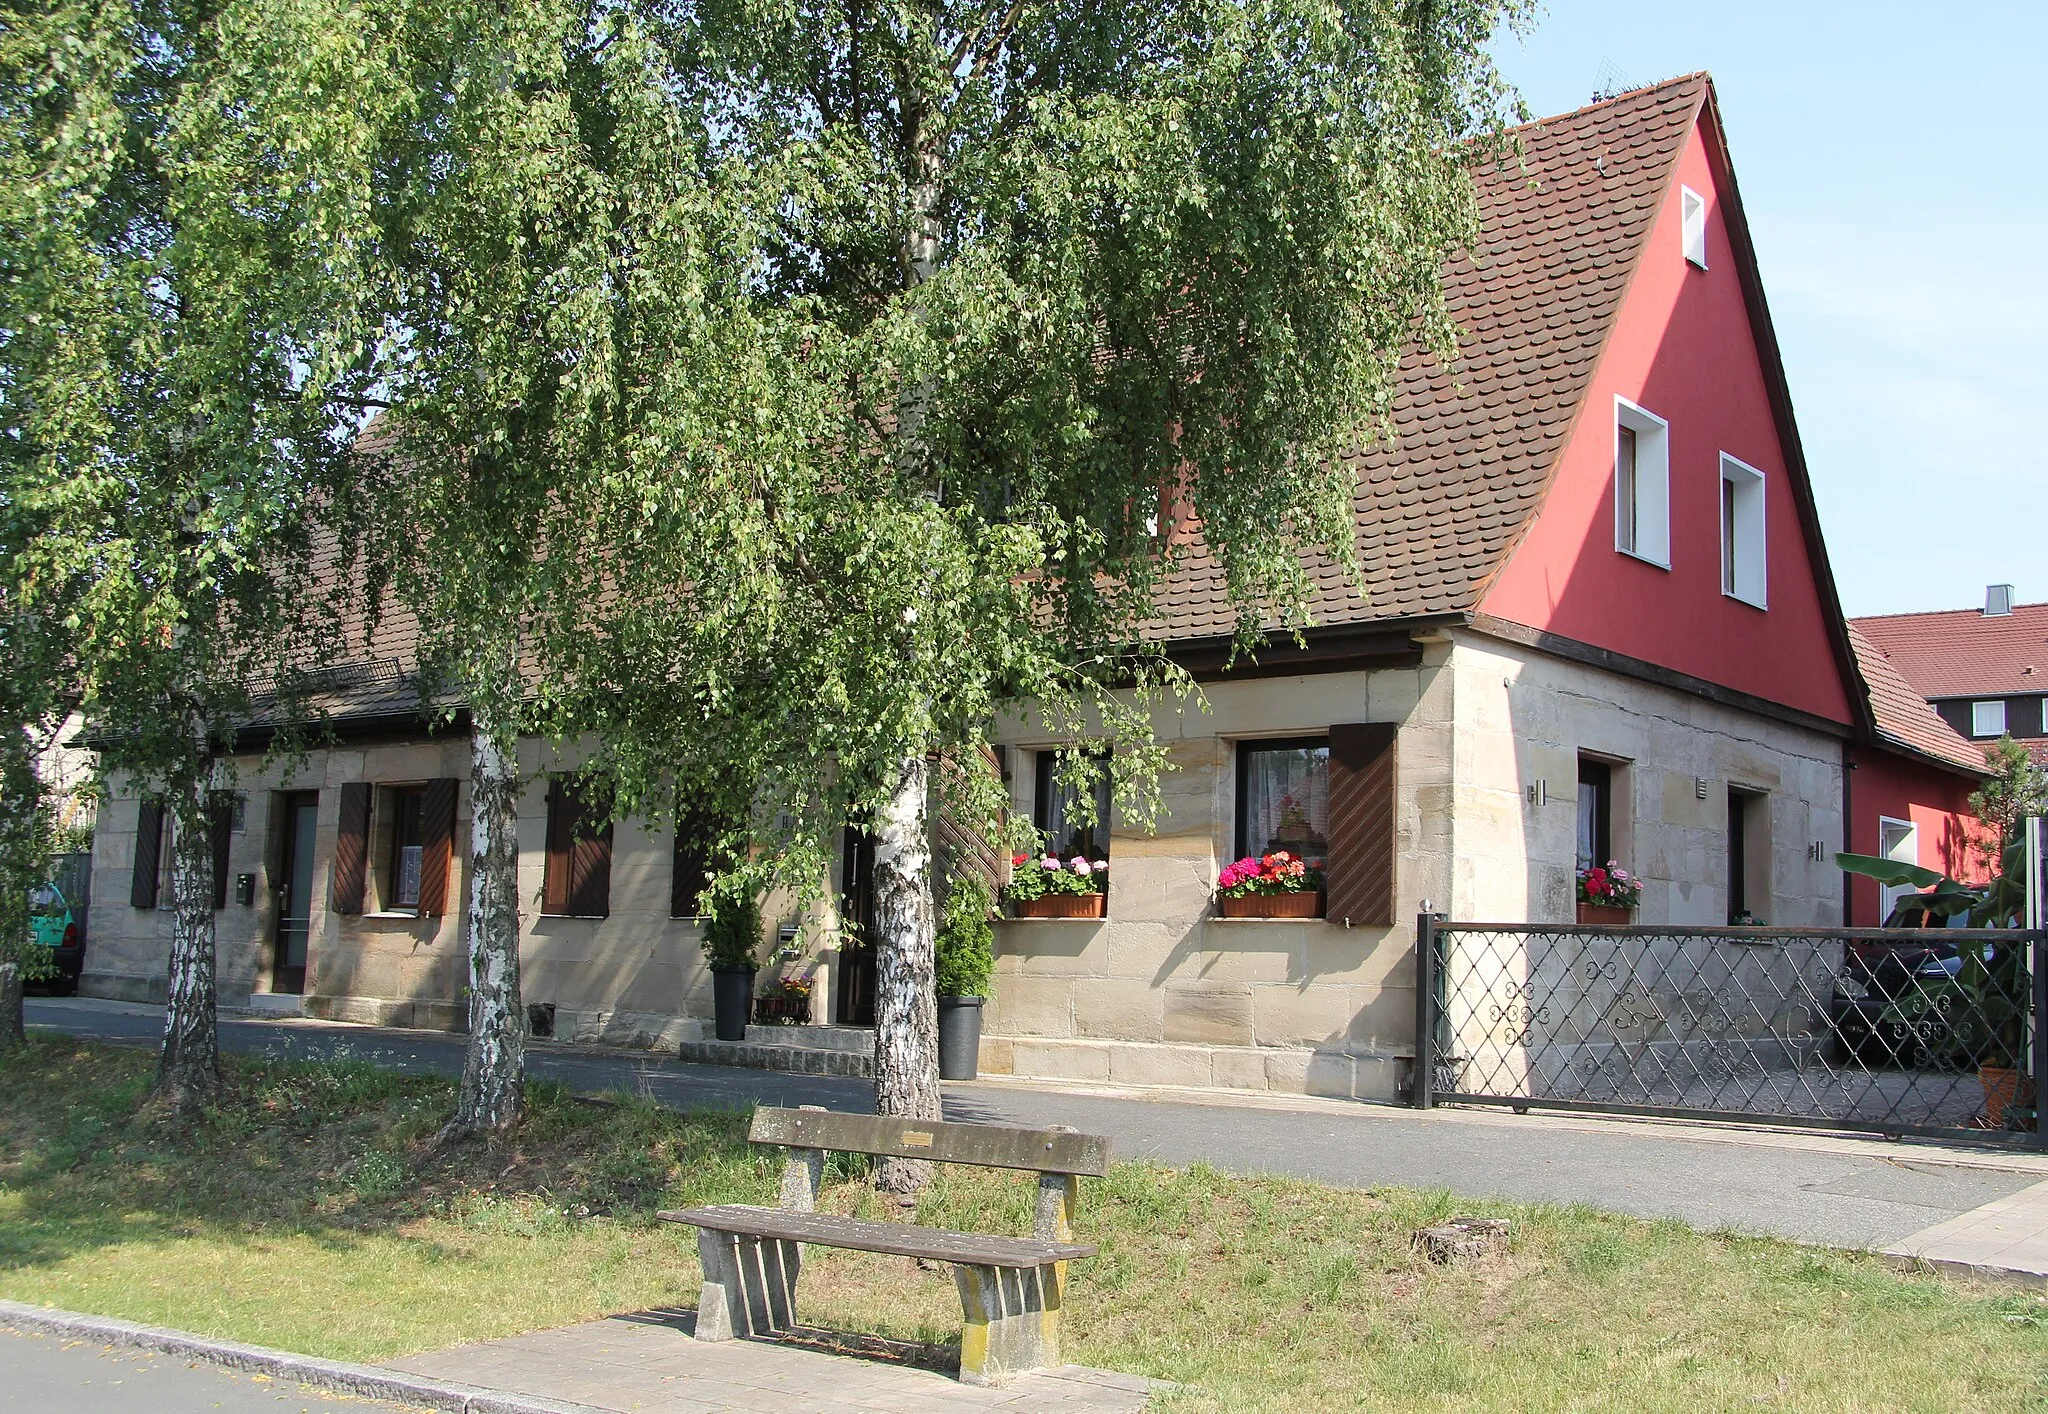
(301,815)
(857,949)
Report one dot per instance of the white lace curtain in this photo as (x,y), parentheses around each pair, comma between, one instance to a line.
(1287,800)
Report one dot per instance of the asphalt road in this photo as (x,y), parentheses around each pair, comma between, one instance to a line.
(43,1374)
(1811,1188)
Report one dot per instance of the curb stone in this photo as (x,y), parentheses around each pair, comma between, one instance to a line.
(369,1381)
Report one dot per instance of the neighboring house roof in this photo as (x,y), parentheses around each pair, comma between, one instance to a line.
(1904,720)
(1478,439)
(1966,652)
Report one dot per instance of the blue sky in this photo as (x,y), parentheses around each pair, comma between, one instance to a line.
(1894,170)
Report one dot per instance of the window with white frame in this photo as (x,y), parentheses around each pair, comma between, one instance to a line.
(1642,484)
(1742,532)
(1987,718)
(1692,225)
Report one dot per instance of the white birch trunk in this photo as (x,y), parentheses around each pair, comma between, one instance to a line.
(12,1032)
(188,1070)
(906,1005)
(494,1073)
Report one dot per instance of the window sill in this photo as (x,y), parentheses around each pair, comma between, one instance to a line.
(1240,922)
(391,913)
(576,917)
(1640,558)
(1011,918)
(1740,599)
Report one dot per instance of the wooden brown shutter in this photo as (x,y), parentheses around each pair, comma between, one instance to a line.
(590,863)
(437,836)
(1360,872)
(689,868)
(562,812)
(220,826)
(149,854)
(352,847)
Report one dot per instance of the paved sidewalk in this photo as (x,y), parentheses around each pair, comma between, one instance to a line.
(649,1361)
(1821,1188)
(2007,1237)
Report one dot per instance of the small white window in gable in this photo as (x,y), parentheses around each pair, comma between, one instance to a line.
(1987,718)
(1642,484)
(1692,225)
(1742,531)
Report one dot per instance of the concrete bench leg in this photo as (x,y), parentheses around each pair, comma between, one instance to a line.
(749,1285)
(1012,1321)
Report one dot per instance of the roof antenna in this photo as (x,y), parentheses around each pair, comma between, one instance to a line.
(1610,82)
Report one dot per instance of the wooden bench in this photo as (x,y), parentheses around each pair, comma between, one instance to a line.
(1011,1288)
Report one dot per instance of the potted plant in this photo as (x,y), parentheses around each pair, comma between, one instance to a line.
(732,933)
(965,961)
(1047,887)
(784,1002)
(1276,885)
(1988,1025)
(1608,894)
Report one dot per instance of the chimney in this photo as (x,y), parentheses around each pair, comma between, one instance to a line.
(1997,600)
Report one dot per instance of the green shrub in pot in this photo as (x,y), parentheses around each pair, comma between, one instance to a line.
(965,945)
(732,929)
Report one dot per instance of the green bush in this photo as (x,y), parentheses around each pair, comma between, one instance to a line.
(966,941)
(732,931)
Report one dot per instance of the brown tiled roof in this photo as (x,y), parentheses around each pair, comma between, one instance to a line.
(1903,717)
(1964,652)
(1478,439)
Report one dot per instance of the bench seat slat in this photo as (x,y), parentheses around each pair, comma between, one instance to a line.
(896,1239)
(979,1145)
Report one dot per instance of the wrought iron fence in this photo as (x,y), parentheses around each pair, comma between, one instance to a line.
(1899,1032)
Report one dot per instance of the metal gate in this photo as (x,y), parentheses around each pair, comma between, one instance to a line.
(1928,1032)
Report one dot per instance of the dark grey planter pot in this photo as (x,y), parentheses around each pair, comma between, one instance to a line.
(960,1037)
(732,1001)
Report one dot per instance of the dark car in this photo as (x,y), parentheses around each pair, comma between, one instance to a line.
(57,918)
(1898,1004)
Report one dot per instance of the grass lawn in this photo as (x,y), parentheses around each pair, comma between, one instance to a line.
(304,1213)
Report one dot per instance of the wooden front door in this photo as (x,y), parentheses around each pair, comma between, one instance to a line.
(294,917)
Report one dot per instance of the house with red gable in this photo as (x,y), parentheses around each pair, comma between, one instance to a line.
(1984,670)
(1597,623)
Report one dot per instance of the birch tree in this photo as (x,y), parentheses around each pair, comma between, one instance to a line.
(1021,296)
(178,236)
(540,219)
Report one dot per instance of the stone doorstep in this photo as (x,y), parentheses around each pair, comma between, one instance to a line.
(858,1039)
(791,1057)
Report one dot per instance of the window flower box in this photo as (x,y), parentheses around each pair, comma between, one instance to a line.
(1050,887)
(1062,906)
(1276,885)
(1608,894)
(1306,904)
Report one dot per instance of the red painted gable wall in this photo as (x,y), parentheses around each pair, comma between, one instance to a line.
(1936,801)
(1682,348)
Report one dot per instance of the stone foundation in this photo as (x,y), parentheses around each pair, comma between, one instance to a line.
(1288,1070)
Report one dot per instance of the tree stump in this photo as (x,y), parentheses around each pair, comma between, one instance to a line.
(1463,1240)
